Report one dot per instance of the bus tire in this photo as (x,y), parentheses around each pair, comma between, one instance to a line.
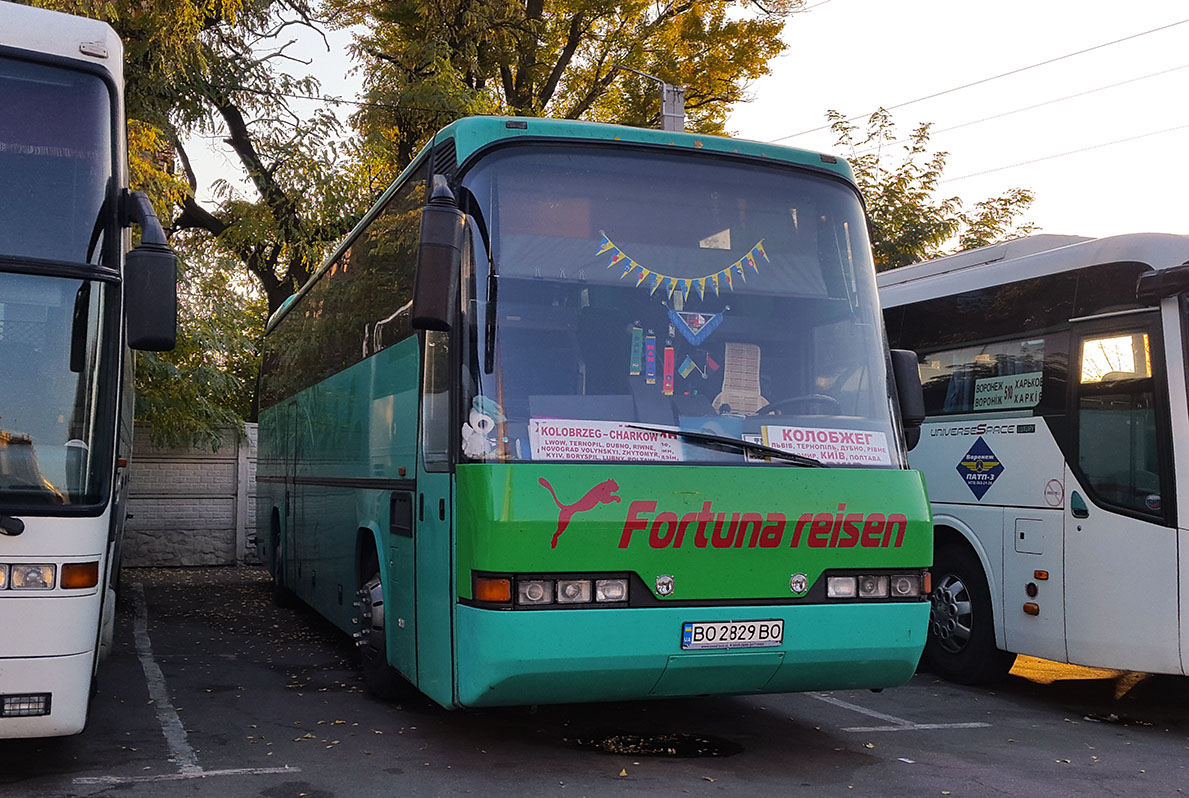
(960,645)
(380,678)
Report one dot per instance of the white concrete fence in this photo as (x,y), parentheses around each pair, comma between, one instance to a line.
(192,507)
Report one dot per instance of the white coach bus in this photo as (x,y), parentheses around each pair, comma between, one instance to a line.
(1054,371)
(73,300)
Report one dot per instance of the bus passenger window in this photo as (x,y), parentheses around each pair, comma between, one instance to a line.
(1117,433)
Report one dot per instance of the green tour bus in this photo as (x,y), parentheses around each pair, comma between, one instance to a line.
(582,412)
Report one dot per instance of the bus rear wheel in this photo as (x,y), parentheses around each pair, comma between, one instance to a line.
(379,677)
(960,646)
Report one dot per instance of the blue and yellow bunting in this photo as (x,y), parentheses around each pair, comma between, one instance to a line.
(683,285)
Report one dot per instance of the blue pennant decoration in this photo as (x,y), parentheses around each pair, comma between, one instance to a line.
(695,327)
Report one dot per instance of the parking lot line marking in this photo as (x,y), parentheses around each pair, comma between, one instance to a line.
(180,750)
(917,727)
(171,725)
(898,724)
(192,774)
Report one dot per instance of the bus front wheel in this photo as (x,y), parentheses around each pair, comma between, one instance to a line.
(960,646)
(379,677)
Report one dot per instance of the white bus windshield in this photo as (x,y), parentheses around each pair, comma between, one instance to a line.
(55,161)
(641,290)
(50,450)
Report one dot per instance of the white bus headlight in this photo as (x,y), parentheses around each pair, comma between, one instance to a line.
(32,577)
(611,590)
(840,587)
(873,587)
(535,591)
(3,576)
(906,585)
(573,591)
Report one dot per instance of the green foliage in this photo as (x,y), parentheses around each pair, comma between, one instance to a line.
(911,223)
(206,383)
(429,63)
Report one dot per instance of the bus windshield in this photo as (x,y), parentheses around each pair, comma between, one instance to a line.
(56,157)
(50,449)
(626,293)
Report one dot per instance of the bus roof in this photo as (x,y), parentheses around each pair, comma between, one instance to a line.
(44,32)
(472,133)
(1022,259)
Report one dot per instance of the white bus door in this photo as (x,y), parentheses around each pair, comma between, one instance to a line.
(1120,536)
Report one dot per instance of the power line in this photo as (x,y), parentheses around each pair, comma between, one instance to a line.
(1037,105)
(1064,154)
(993,77)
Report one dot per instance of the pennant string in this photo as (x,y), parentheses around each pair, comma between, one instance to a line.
(684,284)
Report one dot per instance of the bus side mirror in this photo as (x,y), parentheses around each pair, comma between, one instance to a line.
(907,374)
(150,295)
(150,281)
(1151,287)
(439,259)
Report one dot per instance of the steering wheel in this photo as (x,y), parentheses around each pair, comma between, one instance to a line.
(829,404)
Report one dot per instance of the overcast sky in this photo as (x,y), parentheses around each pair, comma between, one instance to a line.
(1114,159)
(857,55)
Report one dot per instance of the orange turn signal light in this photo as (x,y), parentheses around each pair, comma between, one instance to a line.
(928,584)
(1042,575)
(80,574)
(493,589)
(1031,608)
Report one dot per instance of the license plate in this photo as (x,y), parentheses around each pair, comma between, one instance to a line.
(731,634)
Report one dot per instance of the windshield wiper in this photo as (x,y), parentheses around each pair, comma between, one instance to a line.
(735,443)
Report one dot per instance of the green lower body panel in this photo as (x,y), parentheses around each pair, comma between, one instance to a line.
(563,656)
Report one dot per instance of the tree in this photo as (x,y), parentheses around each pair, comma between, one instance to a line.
(428,63)
(214,67)
(911,223)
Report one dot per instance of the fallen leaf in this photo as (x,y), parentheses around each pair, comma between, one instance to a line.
(623,772)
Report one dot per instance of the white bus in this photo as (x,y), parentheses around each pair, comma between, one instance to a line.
(73,299)
(1055,450)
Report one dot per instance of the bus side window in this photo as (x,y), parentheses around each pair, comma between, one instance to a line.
(435,401)
(1117,428)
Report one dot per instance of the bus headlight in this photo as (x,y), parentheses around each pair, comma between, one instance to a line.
(3,576)
(906,586)
(32,577)
(573,591)
(841,586)
(611,590)
(873,587)
(534,591)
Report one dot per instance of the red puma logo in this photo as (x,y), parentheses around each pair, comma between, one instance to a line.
(602,493)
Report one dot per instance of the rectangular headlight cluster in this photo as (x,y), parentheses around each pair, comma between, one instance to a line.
(27,576)
(46,576)
(875,586)
(535,591)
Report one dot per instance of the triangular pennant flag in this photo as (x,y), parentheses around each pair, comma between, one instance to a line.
(606,245)
(701,283)
(695,327)
(714,283)
(627,267)
(759,250)
(656,283)
(726,273)
(751,261)
(670,284)
(642,275)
